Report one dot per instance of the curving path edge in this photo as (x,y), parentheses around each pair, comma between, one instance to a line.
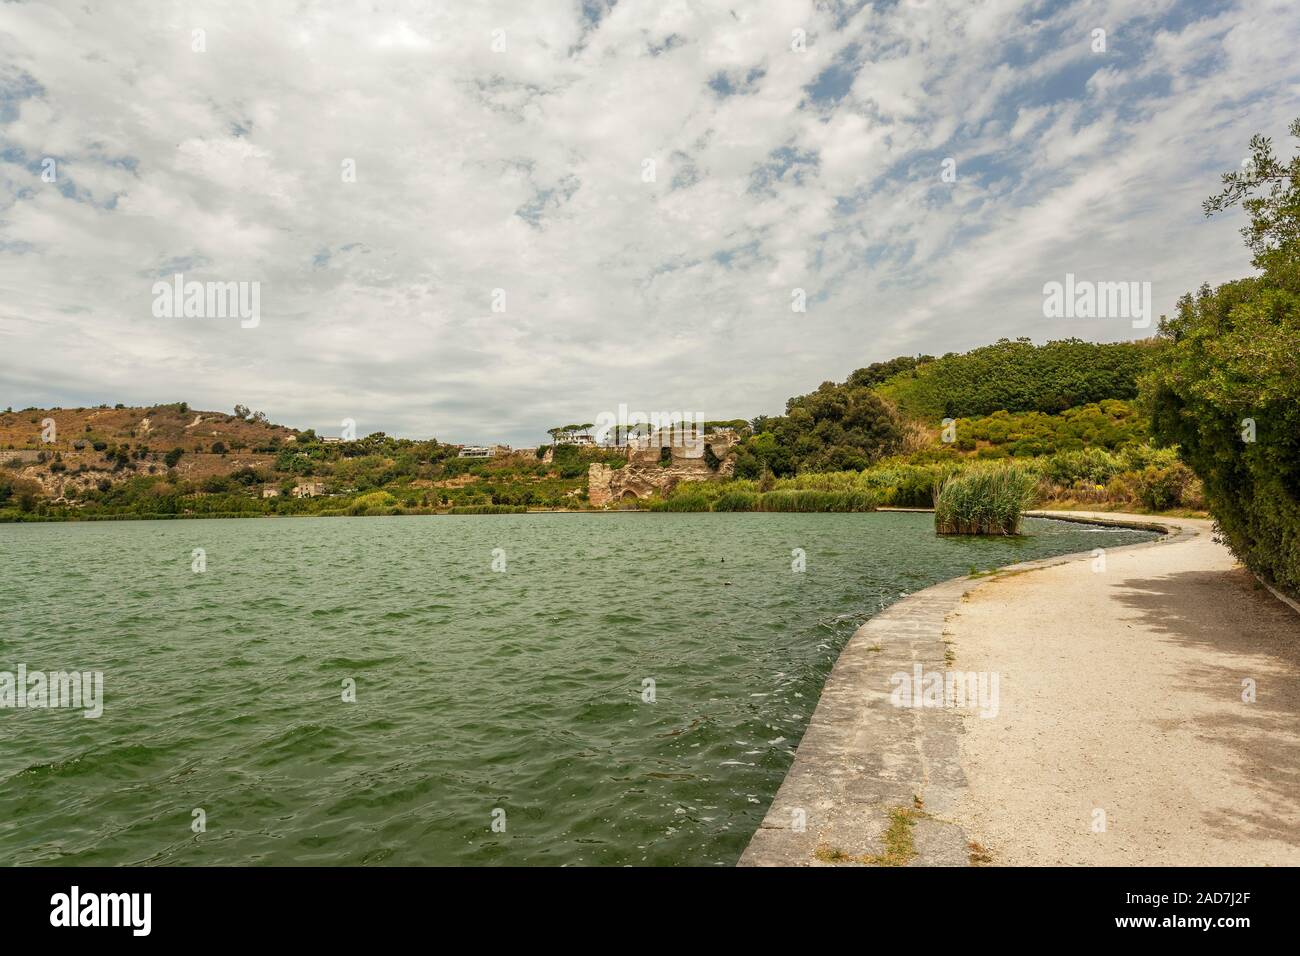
(1112,697)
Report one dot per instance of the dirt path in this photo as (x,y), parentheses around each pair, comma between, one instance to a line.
(1121,694)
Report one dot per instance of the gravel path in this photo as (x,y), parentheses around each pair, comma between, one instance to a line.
(1122,736)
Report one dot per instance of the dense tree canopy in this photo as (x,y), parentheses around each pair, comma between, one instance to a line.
(878,372)
(1226,389)
(852,425)
(1018,376)
(836,428)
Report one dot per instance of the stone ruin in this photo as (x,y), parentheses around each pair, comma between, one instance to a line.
(653,467)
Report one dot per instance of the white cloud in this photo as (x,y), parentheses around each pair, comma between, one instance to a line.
(522,170)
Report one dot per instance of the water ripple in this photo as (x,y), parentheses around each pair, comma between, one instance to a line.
(607,698)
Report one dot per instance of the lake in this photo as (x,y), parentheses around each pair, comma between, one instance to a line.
(500,716)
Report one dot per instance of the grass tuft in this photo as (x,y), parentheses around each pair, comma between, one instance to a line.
(900,847)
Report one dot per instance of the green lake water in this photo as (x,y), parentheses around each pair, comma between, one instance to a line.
(517,691)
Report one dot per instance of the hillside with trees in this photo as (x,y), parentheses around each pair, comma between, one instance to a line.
(1018,376)
(1204,415)
(1068,412)
(174,461)
(1009,399)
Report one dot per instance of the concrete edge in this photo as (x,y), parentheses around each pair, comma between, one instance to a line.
(862,761)
(1280,595)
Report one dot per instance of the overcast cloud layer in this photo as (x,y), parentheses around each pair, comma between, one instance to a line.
(522,170)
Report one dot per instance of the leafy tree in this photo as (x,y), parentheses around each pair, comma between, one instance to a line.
(878,372)
(1226,386)
(17,489)
(835,428)
(1268,189)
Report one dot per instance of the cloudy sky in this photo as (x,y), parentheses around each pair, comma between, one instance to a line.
(646,182)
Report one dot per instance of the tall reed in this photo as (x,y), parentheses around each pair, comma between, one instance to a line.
(811,500)
(984,501)
(806,500)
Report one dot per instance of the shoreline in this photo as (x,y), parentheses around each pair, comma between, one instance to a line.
(1100,518)
(875,784)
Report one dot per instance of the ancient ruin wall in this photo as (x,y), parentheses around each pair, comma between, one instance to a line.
(644,475)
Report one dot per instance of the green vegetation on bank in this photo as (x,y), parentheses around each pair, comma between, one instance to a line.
(1226,387)
(108,463)
(1095,456)
(1136,478)
(749,496)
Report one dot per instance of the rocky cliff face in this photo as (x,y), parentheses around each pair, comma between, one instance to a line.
(648,470)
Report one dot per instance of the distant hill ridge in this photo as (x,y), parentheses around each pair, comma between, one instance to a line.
(159,427)
(1018,376)
(884,409)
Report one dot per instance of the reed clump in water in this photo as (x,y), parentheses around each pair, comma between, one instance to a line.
(984,501)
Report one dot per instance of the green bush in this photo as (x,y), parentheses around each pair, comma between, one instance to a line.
(1093,465)
(1107,424)
(1160,489)
(1157,488)
(1225,386)
(373,504)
